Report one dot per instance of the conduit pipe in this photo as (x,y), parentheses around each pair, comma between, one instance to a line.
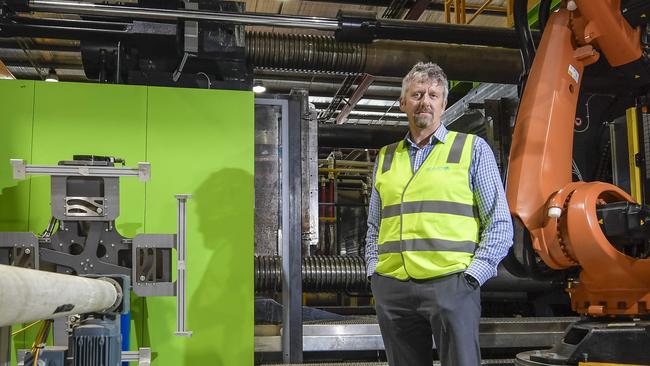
(27,295)
(380,58)
(313,53)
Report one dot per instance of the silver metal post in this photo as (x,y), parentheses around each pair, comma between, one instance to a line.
(181,310)
(5,346)
(81,8)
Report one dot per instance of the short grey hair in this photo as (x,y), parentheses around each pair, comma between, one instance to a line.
(423,72)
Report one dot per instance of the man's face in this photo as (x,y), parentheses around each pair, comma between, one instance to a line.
(423,104)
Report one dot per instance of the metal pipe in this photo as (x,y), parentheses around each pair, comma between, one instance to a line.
(342,170)
(373,28)
(340,163)
(82,8)
(27,295)
(18,57)
(444,33)
(386,58)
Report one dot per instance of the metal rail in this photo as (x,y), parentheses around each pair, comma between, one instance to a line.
(81,8)
(346,26)
(181,280)
(21,169)
(493,333)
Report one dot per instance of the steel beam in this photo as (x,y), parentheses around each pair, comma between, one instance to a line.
(289,243)
(5,73)
(417,9)
(292,220)
(358,93)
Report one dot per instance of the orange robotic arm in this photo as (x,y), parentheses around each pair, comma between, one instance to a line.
(559,214)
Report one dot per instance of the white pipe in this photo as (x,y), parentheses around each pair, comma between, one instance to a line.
(28,295)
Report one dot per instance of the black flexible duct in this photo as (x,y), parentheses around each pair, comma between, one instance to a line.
(527,45)
(523,262)
(544,13)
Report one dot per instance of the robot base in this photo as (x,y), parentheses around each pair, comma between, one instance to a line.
(590,340)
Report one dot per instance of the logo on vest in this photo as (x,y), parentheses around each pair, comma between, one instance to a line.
(436,168)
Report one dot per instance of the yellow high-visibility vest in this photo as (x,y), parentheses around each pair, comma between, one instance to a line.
(429,220)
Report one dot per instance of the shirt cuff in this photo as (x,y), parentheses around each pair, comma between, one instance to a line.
(480,270)
(371,265)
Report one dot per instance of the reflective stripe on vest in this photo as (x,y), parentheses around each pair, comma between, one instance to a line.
(429,225)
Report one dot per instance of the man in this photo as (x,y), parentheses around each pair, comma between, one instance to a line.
(438,225)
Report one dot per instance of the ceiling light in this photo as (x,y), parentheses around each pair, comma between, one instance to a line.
(258,87)
(52,76)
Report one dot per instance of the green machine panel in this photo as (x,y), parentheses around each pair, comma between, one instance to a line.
(199,142)
(15,142)
(202,142)
(89,119)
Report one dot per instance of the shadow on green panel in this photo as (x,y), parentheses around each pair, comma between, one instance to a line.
(139,316)
(220,311)
(129,229)
(12,207)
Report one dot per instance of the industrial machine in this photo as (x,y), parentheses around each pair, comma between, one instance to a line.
(594,226)
(334,311)
(80,270)
(591,237)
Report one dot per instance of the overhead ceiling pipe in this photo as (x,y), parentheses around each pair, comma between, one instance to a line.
(22,72)
(323,88)
(385,58)
(345,25)
(133,12)
(17,56)
(380,58)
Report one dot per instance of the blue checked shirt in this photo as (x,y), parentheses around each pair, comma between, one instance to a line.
(485,182)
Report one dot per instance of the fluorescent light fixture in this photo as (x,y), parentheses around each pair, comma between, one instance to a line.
(258,87)
(52,76)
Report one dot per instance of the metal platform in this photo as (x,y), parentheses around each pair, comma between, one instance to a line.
(364,335)
(504,362)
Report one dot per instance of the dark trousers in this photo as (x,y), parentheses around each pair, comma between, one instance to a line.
(411,312)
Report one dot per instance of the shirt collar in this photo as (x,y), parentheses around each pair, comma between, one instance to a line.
(440,134)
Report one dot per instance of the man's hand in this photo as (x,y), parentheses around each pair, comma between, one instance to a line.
(473,282)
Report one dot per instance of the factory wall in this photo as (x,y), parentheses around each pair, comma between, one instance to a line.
(197,141)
